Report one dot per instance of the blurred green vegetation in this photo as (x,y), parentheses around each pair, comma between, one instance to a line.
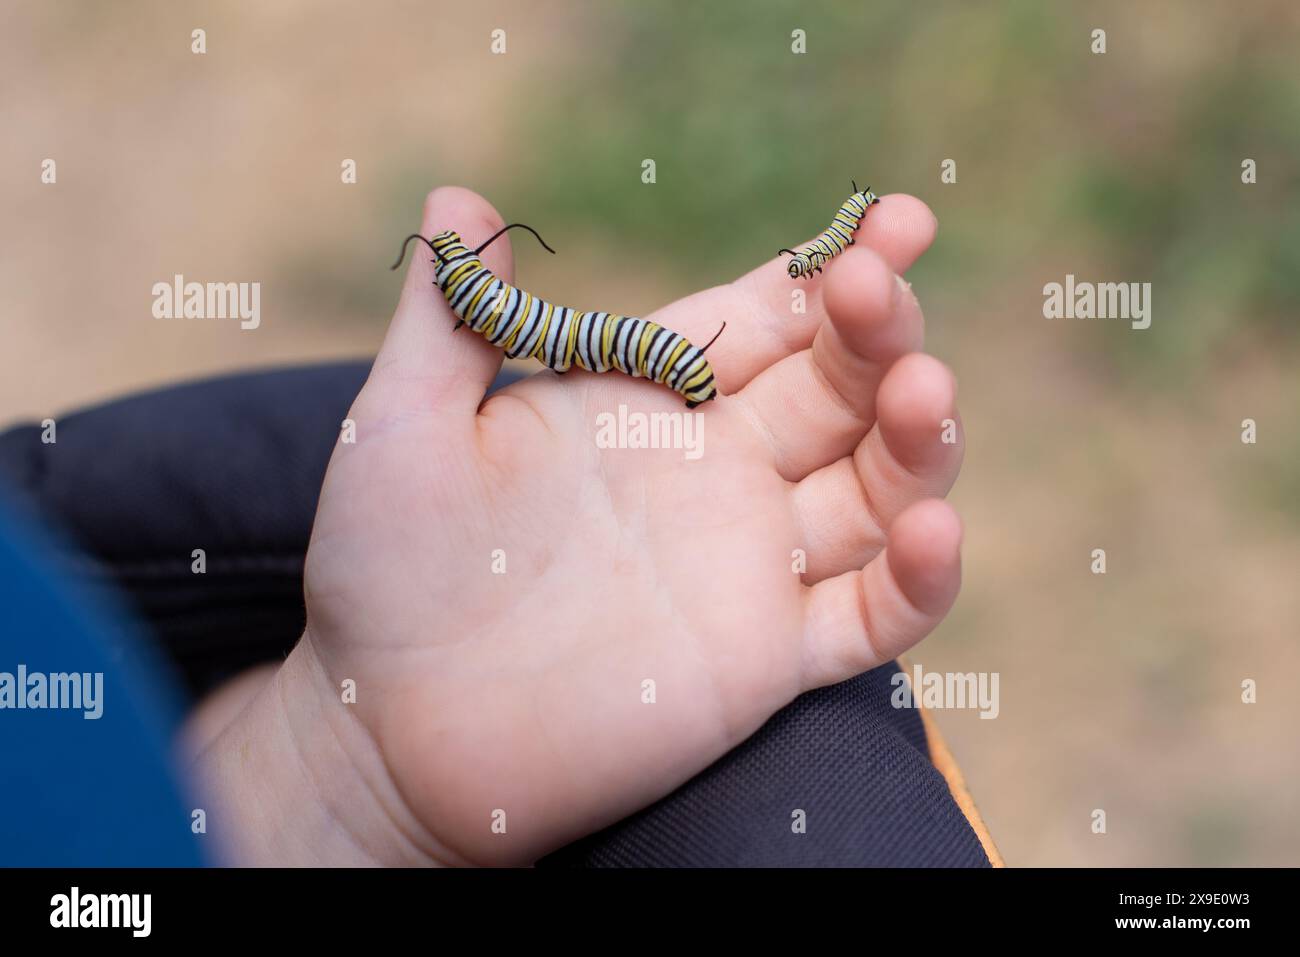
(1117,167)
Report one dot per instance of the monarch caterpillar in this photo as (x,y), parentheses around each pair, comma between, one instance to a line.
(837,236)
(524,325)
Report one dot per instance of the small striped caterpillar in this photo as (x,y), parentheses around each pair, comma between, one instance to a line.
(837,236)
(524,325)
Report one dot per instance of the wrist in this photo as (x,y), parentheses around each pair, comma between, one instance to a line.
(295,779)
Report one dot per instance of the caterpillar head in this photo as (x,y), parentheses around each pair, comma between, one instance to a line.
(868,197)
(800,265)
(448,245)
(448,248)
(705,392)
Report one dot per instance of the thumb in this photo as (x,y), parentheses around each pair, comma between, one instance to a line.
(423,363)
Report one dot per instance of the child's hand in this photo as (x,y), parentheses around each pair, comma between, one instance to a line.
(520,699)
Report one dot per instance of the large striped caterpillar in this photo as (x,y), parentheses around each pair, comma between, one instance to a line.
(837,236)
(524,325)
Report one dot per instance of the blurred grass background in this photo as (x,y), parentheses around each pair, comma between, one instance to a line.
(1119,692)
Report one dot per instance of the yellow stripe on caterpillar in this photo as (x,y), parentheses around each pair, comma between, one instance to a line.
(588,340)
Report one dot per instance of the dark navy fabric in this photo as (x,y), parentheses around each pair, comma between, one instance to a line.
(77,790)
(234,466)
(854,766)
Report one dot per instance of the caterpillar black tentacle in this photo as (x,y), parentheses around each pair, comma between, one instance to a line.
(837,236)
(525,326)
(715,338)
(504,229)
(406,242)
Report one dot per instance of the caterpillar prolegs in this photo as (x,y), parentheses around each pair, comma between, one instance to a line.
(524,325)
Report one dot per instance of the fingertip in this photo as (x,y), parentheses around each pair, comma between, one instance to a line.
(859,620)
(859,281)
(930,529)
(916,405)
(455,207)
(864,302)
(474,218)
(924,555)
(900,227)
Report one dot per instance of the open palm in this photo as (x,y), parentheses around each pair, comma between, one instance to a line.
(546,635)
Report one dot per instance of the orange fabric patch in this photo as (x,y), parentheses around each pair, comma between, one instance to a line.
(946,764)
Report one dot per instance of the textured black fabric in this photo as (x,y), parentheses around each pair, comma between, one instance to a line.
(858,769)
(234,466)
(231,465)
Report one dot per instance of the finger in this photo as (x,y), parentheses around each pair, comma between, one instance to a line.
(766,320)
(913,452)
(816,405)
(861,619)
(425,361)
